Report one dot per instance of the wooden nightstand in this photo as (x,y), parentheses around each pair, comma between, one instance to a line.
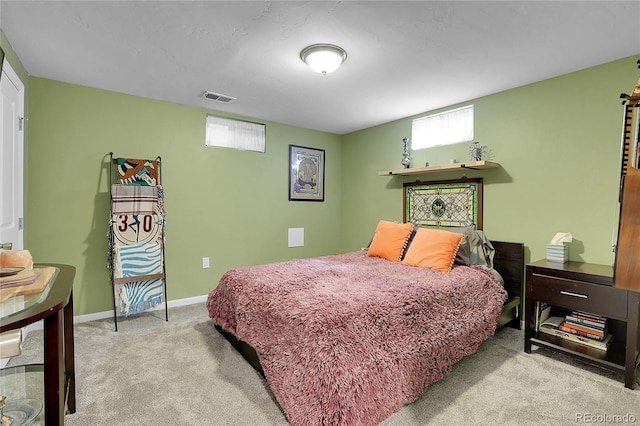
(589,288)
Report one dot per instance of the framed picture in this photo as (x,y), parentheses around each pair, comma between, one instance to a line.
(306,173)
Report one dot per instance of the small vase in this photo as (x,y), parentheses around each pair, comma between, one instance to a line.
(406,160)
(476,151)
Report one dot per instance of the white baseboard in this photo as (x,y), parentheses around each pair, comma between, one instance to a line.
(109,314)
(106,314)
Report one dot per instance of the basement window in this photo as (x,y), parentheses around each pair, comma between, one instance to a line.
(445,128)
(237,134)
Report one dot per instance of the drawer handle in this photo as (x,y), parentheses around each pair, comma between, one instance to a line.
(568,293)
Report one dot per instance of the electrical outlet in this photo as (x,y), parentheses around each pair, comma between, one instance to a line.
(205,262)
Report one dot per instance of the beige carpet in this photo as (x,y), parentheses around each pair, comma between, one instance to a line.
(182,372)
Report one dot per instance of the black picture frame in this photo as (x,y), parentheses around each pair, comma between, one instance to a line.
(306,173)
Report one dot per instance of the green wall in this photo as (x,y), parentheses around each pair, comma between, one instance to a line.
(231,206)
(558,144)
(557,141)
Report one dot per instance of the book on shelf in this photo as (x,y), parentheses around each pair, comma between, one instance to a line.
(552,322)
(542,311)
(586,325)
(567,328)
(600,332)
(554,326)
(586,318)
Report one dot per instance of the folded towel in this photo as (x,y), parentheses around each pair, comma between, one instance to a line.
(134,199)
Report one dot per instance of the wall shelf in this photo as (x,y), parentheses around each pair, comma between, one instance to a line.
(473,165)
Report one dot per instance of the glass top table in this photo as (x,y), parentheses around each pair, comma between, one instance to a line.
(16,304)
(53,305)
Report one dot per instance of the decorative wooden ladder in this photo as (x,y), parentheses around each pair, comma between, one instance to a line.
(144,229)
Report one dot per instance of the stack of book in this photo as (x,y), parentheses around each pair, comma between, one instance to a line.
(580,327)
(558,253)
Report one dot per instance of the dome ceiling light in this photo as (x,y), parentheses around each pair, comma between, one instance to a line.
(323,58)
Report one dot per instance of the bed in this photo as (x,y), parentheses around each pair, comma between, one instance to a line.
(348,339)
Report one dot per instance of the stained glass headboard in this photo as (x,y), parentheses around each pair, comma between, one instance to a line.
(444,203)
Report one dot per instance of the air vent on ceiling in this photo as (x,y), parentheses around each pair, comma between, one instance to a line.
(218,97)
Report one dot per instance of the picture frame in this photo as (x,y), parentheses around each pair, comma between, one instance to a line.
(306,173)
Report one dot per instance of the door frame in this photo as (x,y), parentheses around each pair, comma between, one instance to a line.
(12,76)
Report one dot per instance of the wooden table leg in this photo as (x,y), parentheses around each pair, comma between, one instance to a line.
(528,312)
(54,369)
(69,360)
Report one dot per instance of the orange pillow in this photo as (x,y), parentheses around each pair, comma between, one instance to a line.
(390,240)
(433,248)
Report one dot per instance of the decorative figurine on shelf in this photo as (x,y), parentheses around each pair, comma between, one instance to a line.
(406,160)
(479,152)
(476,151)
(4,420)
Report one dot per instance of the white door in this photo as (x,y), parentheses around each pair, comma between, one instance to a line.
(11,157)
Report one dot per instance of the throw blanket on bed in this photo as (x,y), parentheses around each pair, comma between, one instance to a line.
(349,339)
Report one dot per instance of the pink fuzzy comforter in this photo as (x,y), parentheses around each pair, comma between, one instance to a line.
(349,339)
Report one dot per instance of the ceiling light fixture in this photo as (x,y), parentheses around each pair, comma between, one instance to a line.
(323,58)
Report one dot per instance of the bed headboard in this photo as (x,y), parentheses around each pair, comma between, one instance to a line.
(459,203)
(456,202)
(509,262)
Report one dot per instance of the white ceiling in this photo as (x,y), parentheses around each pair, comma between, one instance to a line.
(404,58)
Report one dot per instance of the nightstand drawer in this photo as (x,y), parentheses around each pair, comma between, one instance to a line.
(594,298)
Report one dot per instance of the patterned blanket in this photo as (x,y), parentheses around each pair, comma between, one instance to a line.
(349,339)
(136,237)
(133,171)
(130,199)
